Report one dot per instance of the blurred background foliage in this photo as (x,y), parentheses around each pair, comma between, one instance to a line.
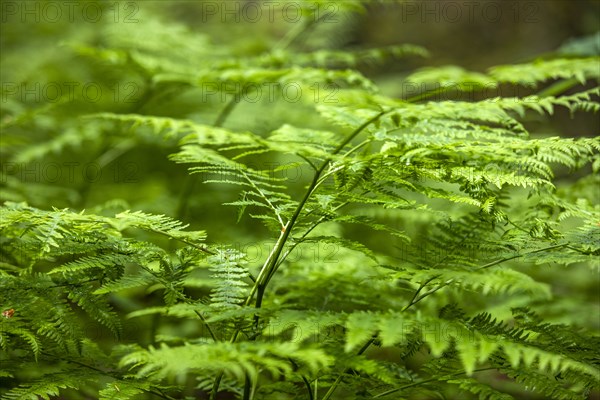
(51,72)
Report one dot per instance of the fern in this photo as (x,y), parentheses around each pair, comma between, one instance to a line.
(380,242)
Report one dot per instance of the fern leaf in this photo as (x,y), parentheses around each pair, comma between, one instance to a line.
(230,288)
(236,359)
(541,70)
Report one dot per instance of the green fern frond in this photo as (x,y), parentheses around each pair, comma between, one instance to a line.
(483,391)
(488,282)
(302,325)
(530,74)
(229,273)
(236,359)
(172,128)
(157,223)
(29,337)
(97,308)
(452,77)
(50,386)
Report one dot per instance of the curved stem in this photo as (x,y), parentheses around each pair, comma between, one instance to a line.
(521,255)
(491,264)
(310,190)
(341,376)
(426,381)
(558,87)
(247,388)
(271,264)
(206,324)
(304,379)
(358,146)
(305,234)
(265,198)
(421,287)
(216,384)
(293,34)
(312,165)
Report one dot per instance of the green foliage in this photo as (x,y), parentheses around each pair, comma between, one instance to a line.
(399,248)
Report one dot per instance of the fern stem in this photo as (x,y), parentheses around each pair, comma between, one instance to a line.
(196,246)
(312,165)
(185,300)
(293,34)
(80,364)
(215,389)
(491,264)
(265,198)
(228,109)
(247,387)
(558,87)
(521,255)
(426,381)
(415,299)
(210,331)
(271,264)
(358,146)
(421,287)
(428,93)
(300,207)
(304,379)
(341,376)
(260,278)
(306,233)
(308,388)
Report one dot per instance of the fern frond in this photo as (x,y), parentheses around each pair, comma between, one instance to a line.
(302,325)
(530,74)
(497,281)
(451,77)
(50,386)
(173,128)
(338,59)
(29,337)
(157,223)
(236,359)
(482,390)
(229,276)
(97,308)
